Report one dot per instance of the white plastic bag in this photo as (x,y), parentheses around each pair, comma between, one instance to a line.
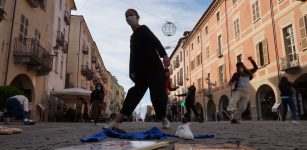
(184,132)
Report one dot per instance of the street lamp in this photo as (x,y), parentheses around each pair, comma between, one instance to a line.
(55,51)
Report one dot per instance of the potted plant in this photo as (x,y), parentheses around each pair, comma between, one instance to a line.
(6,92)
(2,14)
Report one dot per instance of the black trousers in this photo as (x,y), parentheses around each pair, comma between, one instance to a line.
(190,105)
(96,110)
(156,84)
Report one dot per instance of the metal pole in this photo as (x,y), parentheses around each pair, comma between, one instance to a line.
(10,45)
(275,40)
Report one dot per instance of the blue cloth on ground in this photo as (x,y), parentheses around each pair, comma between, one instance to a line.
(153,133)
(95,137)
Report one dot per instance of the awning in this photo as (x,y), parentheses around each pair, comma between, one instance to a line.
(72,95)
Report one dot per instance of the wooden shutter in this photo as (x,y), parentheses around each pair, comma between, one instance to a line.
(302,24)
(258,54)
(265,52)
(254,12)
(225,77)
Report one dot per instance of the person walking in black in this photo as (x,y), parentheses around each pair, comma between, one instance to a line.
(97,99)
(286,95)
(145,70)
(174,109)
(189,103)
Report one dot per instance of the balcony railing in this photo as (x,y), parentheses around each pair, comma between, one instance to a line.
(290,63)
(89,75)
(84,70)
(60,38)
(104,79)
(85,50)
(67,17)
(33,3)
(30,52)
(94,60)
(65,47)
(42,4)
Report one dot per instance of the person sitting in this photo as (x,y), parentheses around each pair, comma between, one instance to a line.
(18,106)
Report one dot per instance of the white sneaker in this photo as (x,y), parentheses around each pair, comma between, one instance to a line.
(295,122)
(165,123)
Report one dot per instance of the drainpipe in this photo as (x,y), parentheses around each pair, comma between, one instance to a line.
(275,39)
(202,70)
(10,45)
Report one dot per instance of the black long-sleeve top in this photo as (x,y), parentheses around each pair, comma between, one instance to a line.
(190,95)
(145,52)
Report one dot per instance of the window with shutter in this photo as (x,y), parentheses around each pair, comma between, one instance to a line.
(207,53)
(23,29)
(265,52)
(302,24)
(221,72)
(262,53)
(258,53)
(256,11)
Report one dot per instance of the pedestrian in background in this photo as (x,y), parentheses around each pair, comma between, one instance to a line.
(240,94)
(145,70)
(190,104)
(286,95)
(97,99)
(175,111)
(18,106)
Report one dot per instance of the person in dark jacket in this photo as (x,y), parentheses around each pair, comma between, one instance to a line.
(146,70)
(240,94)
(189,102)
(174,109)
(286,95)
(97,99)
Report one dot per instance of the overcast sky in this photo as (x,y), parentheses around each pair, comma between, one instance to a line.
(107,24)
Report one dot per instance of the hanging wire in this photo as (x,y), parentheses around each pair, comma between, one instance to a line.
(158,17)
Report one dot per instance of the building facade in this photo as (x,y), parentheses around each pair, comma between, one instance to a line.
(57,77)
(270,31)
(178,73)
(27,55)
(44,48)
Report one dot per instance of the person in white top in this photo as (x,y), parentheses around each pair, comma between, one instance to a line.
(240,94)
(18,106)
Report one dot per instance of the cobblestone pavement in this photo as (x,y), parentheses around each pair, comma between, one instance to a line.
(256,134)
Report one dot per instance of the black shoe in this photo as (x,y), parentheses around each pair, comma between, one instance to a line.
(201,120)
(29,122)
(184,120)
(235,121)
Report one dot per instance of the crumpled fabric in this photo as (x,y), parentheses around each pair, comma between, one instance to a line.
(153,133)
